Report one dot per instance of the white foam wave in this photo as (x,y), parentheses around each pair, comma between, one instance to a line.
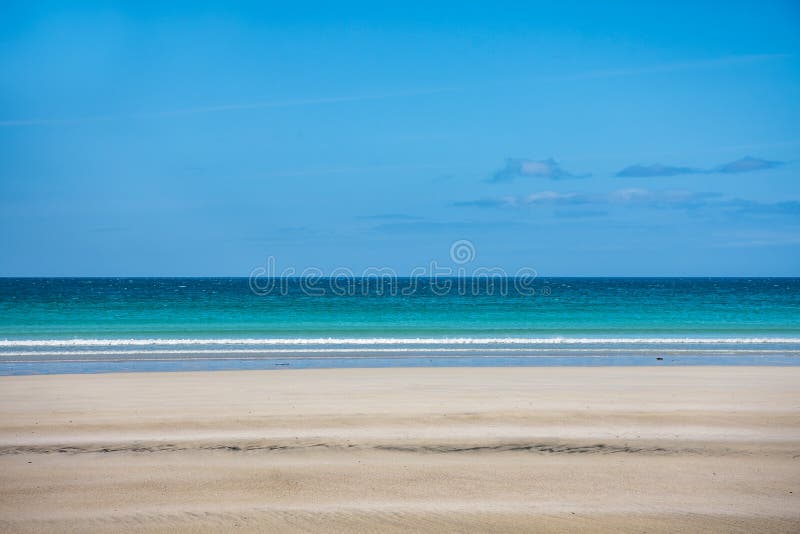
(374,341)
(255,358)
(417,350)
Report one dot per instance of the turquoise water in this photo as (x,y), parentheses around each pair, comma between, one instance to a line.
(90,325)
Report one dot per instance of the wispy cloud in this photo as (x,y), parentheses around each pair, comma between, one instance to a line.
(579,213)
(297,102)
(526,168)
(628,196)
(635,197)
(427,227)
(542,197)
(389,217)
(672,66)
(56,121)
(668,198)
(656,169)
(745,164)
(488,202)
(690,64)
(690,200)
(552,196)
(317,171)
(751,207)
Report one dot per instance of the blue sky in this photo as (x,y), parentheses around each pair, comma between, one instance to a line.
(576,139)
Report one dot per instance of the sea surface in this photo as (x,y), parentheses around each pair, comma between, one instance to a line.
(88,325)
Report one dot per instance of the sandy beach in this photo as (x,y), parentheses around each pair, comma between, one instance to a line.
(457,449)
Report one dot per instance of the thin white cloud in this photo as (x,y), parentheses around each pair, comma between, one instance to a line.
(630,194)
(57,122)
(675,198)
(224,107)
(298,102)
(669,66)
(745,164)
(600,73)
(548,196)
(316,171)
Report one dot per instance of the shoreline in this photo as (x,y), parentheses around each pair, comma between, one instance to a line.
(427,449)
(152,365)
(111,355)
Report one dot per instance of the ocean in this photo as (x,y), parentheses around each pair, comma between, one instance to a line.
(89,325)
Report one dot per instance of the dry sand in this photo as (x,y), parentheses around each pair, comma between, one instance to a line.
(495,449)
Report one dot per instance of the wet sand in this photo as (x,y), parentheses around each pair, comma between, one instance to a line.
(467,449)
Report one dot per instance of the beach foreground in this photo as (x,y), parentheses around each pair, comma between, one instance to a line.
(425,449)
